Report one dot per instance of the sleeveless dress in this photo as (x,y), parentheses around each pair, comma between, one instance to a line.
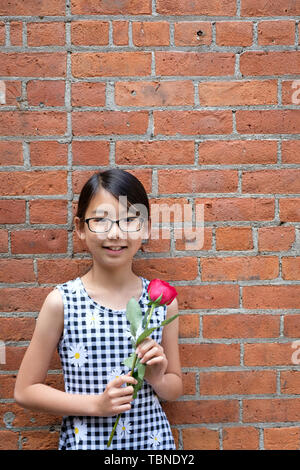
(94,343)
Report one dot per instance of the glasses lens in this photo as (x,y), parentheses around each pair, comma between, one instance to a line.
(131,224)
(99,225)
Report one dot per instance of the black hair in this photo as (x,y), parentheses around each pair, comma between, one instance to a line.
(116,181)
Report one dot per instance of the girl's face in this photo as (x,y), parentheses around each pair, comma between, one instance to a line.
(105,205)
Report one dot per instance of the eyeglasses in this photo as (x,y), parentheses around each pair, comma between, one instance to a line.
(103,224)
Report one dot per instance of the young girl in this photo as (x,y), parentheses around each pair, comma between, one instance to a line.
(85,319)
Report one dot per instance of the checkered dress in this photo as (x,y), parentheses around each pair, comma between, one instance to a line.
(94,343)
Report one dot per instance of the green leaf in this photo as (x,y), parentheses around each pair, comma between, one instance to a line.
(150,330)
(141,368)
(138,386)
(134,315)
(129,361)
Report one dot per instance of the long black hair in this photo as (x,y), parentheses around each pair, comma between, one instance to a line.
(119,183)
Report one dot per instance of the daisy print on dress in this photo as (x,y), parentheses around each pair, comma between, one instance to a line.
(114,374)
(93,319)
(124,427)
(80,430)
(155,439)
(77,355)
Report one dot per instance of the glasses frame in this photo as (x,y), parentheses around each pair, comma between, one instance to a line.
(87,221)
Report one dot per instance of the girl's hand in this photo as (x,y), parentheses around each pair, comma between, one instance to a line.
(116,399)
(152,355)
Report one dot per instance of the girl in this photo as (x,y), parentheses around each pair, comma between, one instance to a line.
(85,319)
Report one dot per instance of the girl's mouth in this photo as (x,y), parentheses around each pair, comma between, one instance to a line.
(115,250)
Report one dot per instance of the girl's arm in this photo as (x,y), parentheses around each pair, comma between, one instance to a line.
(30,390)
(163,370)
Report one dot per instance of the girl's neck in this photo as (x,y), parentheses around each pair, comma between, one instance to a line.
(120,279)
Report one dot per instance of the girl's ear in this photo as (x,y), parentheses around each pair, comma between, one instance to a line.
(79,228)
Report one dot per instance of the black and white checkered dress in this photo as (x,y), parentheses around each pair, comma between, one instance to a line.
(94,343)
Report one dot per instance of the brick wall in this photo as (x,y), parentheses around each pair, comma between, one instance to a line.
(198,99)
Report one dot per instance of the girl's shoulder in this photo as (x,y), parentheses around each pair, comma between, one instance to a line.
(72,285)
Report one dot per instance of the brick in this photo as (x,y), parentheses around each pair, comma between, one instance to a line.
(276,33)
(271,410)
(89,33)
(48,153)
(271,8)
(270,62)
(16,270)
(109,122)
(40,440)
(19,299)
(30,8)
(16,29)
(154,152)
(109,64)
(7,386)
(34,64)
(2,33)
(238,93)
(12,212)
(209,355)
(241,326)
(194,63)
(199,8)
(271,296)
(120,33)
(114,7)
(234,33)
(188,379)
(172,269)
(291,94)
(200,439)
(202,411)
(39,241)
(241,438)
(192,33)
(162,93)
(234,238)
(46,34)
(46,93)
(20,328)
(268,354)
(11,153)
(28,418)
(192,122)
(238,383)
(271,181)
(61,270)
(208,296)
(268,122)
(3,241)
(191,181)
(45,211)
(88,94)
(290,151)
(291,268)
(150,34)
(23,123)
(218,209)
(162,209)
(20,183)
(90,152)
(289,210)
(232,152)
(282,438)
(13,93)
(80,177)
(292,326)
(9,440)
(290,380)
(188,326)
(276,238)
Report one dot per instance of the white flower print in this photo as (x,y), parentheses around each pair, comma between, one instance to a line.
(114,374)
(124,427)
(93,319)
(138,333)
(77,355)
(155,439)
(80,430)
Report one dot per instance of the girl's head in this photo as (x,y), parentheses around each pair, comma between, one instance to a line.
(113,194)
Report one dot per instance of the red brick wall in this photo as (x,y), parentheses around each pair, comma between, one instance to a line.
(199,99)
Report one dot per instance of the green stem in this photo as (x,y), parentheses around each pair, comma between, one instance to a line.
(150,315)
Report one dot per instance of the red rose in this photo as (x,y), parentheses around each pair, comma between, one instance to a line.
(157,287)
